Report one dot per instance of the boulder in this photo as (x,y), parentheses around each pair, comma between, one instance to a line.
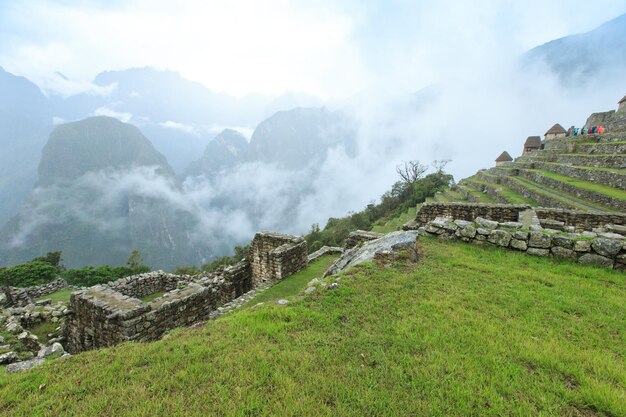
(538,252)
(50,350)
(607,247)
(520,235)
(564,253)
(540,240)
(563,241)
(468,231)
(500,238)
(519,244)
(7,358)
(24,365)
(391,242)
(582,245)
(598,260)
(485,223)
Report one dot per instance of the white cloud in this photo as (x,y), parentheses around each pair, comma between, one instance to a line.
(105,111)
(178,126)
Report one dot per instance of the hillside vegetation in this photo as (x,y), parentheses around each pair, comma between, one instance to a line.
(466,331)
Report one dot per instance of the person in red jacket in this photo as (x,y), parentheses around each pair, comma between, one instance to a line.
(600,129)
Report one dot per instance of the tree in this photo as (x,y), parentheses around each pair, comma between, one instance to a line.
(135,259)
(440,165)
(54,259)
(411,171)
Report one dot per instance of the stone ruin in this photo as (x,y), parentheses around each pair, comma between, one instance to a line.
(112,313)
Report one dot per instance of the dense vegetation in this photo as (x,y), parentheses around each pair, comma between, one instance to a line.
(412,189)
(47,268)
(467,331)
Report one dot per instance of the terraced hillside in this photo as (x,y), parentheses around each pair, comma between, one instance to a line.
(583,172)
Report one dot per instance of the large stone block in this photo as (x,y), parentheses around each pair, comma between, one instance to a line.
(540,240)
(607,247)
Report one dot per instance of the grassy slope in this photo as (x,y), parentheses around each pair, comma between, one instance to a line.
(468,331)
(61,295)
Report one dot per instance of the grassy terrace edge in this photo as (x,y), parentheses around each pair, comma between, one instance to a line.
(467,331)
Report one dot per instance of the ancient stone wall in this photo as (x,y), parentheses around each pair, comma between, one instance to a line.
(611,120)
(469,211)
(580,220)
(19,297)
(274,256)
(598,176)
(602,249)
(108,314)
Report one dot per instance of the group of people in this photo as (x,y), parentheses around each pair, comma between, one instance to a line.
(574,131)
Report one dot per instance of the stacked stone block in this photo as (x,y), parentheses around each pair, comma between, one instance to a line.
(19,297)
(274,256)
(359,237)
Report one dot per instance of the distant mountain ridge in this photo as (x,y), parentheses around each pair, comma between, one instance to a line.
(102,191)
(592,56)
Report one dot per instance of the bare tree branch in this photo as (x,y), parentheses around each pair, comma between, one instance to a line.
(411,171)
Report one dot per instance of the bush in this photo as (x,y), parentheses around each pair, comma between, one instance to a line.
(186,270)
(88,276)
(28,274)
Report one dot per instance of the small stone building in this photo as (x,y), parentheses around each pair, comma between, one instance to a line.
(274,256)
(621,105)
(503,158)
(533,143)
(555,132)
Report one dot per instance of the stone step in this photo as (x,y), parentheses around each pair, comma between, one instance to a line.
(441,198)
(494,187)
(473,193)
(453,195)
(610,177)
(584,190)
(547,197)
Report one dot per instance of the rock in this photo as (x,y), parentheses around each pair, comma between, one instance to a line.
(24,365)
(540,240)
(611,236)
(462,223)
(587,233)
(519,244)
(50,350)
(487,224)
(8,357)
(483,232)
(538,252)
(309,290)
(564,253)
(29,341)
(582,245)
(282,302)
(512,225)
(14,327)
(616,228)
(500,238)
(3,298)
(468,231)
(393,241)
(607,247)
(598,260)
(333,286)
(1,339)
(45,302)
(563,241)
(520,235)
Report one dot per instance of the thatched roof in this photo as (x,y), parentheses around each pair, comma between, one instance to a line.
(504,157)
(622,100)
(533,142)
(557,128)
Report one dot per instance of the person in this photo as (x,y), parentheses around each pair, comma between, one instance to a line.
(576,130)
(600,129)
(583,131)
(570,132)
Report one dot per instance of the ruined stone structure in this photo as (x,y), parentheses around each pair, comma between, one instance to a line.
(621,106)
(108,314)
(274,256)
(19,297)
(553,217)
(604,249)
(503,158)
(360,236)
(533,143)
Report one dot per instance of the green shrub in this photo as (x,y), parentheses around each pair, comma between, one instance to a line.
(28,274)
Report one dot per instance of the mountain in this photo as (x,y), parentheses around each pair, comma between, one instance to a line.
(25,122)
(227,150)
(103,190)
(593,56)
(296,138)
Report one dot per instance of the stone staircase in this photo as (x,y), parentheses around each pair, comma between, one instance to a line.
(582,173)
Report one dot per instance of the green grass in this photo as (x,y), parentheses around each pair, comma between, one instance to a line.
(151,297)
(61,295)
(584,185)
(469,331)
(43,329)
(295,283)
(478,195)
(396,223)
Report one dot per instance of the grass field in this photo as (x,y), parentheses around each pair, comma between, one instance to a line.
(61,295)
(468,331)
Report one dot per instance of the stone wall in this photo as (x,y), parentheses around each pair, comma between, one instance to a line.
(469,211)
(610,178)
(111,313)
(602,249)
(580,220)
(611,120)
(274,256)
(19,297)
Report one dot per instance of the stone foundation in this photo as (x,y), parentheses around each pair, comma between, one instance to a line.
(359,237)
(112,313)
(19,297)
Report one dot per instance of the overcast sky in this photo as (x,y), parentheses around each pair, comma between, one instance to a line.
(326,48)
